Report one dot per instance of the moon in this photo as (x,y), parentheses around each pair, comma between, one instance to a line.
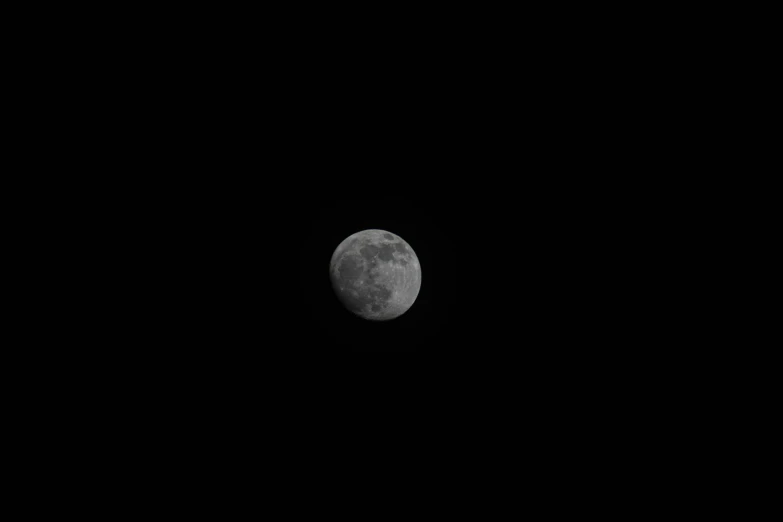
(375,274)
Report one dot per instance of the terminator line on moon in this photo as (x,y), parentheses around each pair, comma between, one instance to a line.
(375,274)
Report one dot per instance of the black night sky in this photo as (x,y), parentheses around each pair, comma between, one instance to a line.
(517,198)
(526,268)
(529,180)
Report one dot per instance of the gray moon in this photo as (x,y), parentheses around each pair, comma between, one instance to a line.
(375,274)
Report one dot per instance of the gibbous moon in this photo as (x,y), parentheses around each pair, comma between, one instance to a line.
(375,274)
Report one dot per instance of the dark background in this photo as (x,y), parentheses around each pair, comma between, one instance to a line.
(524,175)
(510,182)
(526,282)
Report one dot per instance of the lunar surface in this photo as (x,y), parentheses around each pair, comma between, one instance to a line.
(375,274)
